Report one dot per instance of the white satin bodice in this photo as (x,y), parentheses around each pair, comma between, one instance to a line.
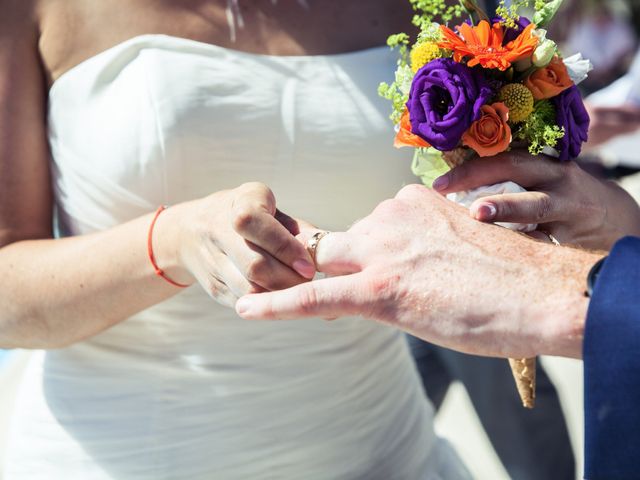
(186,389)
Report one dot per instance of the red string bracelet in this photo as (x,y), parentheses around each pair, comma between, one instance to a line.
(157,269)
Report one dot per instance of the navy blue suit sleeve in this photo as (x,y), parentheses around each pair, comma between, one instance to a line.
(612,368)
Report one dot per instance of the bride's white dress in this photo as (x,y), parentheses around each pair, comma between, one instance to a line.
(186,390)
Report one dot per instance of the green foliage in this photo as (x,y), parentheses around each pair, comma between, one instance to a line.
(429,10)
(510,12)
(398,91)
(545,11)
(426,11)
(540,129)
(401,42)
(430,33)
(428,164)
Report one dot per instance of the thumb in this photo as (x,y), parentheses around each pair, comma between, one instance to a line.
(330,297)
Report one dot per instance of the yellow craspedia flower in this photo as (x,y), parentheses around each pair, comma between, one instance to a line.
(519,101)
(423,53)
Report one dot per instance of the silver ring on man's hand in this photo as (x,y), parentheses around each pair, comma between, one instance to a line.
(312,243)
(551,238)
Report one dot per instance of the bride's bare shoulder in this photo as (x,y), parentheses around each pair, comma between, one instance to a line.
(59,24)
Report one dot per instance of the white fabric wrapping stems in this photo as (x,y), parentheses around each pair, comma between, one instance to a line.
(467,197)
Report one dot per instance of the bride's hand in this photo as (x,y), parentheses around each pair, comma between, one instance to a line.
(563,199)
(236,242)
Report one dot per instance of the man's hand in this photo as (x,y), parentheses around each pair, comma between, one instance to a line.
(420,263)
(566,201)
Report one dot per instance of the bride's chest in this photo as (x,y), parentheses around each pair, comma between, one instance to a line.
(171,119)
(75,30)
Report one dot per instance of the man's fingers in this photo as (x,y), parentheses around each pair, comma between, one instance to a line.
(327,298)
(525,207)
(516,166)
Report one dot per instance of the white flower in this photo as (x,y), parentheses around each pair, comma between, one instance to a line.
(545,52)
(546,49)
(541,33)
(578,67)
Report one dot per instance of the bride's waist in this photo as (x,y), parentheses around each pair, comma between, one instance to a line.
(192,324)
(171,341)
(230,377)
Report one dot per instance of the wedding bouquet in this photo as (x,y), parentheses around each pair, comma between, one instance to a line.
(483,88)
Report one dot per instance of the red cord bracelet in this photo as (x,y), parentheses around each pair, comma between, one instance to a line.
(152,258)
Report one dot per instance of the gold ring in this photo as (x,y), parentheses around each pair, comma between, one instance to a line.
(551,238)
(312,243)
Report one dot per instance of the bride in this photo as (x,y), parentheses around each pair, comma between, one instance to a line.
(232,114)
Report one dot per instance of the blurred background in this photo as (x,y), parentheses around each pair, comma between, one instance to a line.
(478,406)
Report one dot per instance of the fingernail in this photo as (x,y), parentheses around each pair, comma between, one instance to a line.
(441,183)
(486,212)
(243,306)
(305,268)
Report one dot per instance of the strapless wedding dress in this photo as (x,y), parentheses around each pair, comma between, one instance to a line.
(187,390)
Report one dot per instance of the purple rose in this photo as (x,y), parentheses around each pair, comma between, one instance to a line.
(445,99)
(573,117)
(510,34)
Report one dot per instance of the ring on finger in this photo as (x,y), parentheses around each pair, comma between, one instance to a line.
(551,238)
(312,243)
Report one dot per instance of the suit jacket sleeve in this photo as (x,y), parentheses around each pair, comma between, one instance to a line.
(612,368)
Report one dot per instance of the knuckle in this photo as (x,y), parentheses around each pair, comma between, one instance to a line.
(411,195)
(567,171)
(587,209)
(570,168)
(257,269)
(381,289)
(260,189)
(214,287)
(459,174)
(242,218)
(379,286)
(517,159)
(250,186)
(544,208)
(388,207)
(308,300)
(411,191)
(505,210)
(254,288)
(282,247)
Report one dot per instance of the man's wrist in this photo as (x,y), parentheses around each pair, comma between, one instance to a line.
(566,307)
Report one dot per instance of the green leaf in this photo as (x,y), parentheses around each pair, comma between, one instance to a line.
(543,16)
(428,164)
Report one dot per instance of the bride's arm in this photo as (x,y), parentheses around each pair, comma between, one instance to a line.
(54,292)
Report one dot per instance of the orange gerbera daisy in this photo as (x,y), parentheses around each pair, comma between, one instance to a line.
(482,45)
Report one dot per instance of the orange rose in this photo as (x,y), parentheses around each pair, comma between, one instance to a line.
(405,138)
(549,81)
(490,134)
